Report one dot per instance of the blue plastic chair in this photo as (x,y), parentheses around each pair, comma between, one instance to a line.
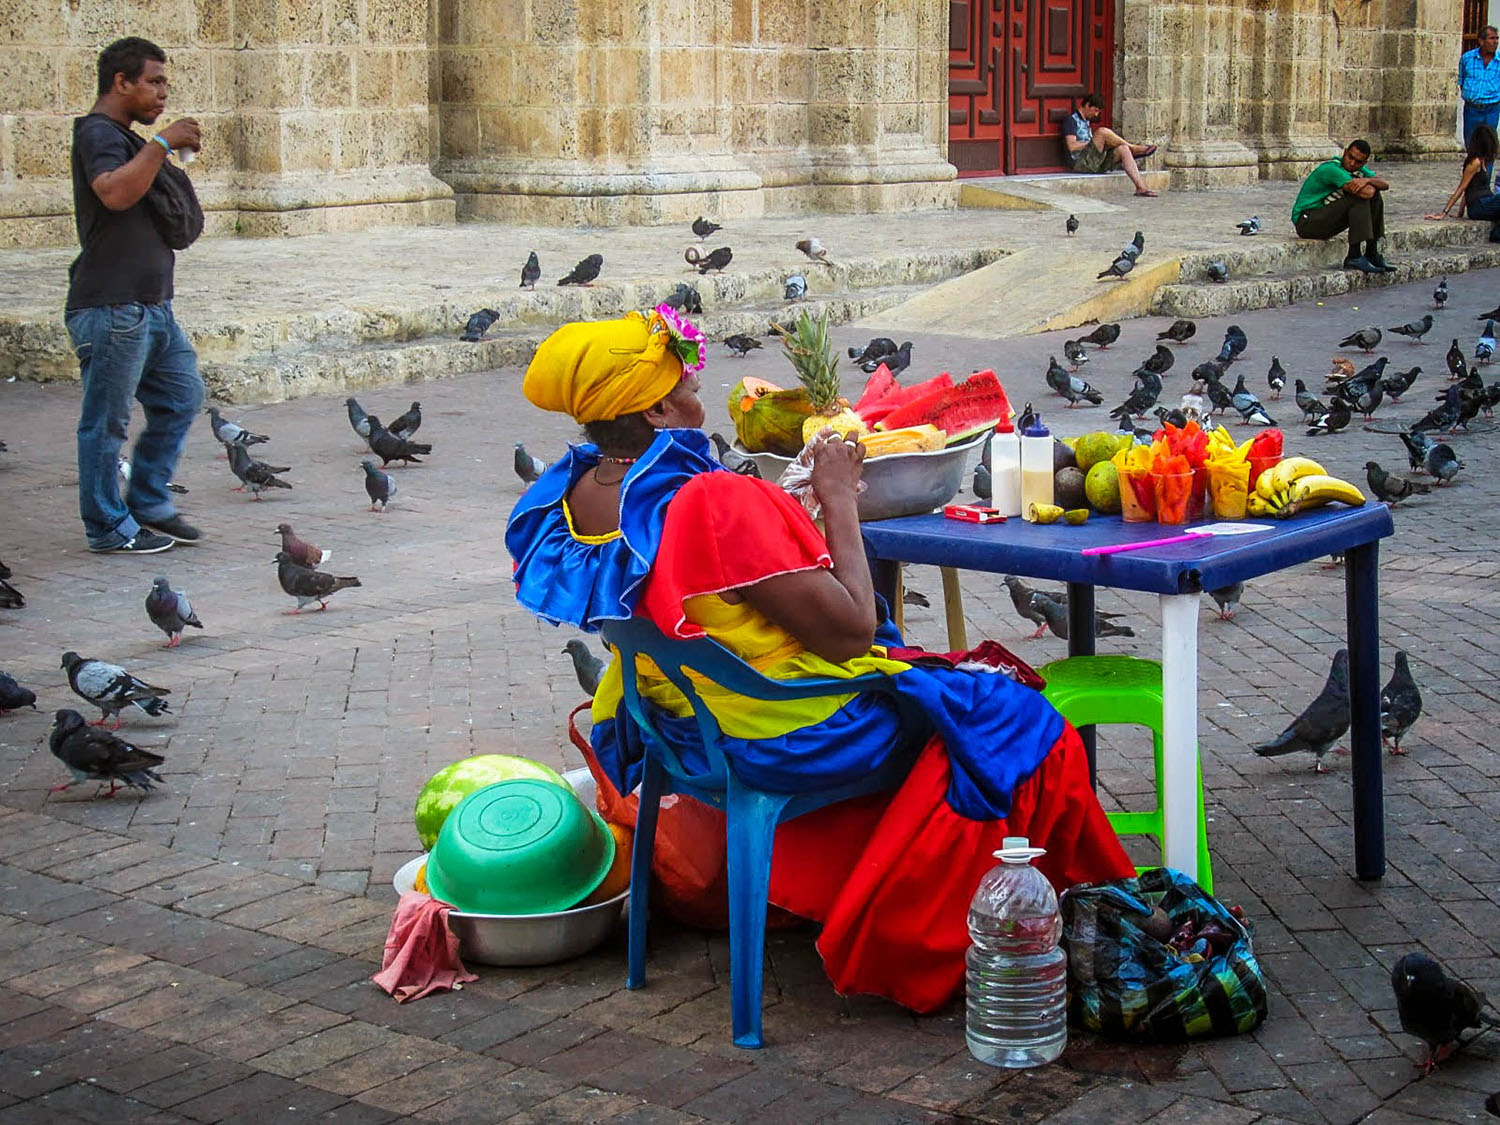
(751,814)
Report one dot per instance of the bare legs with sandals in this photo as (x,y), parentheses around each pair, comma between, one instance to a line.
(1107,140)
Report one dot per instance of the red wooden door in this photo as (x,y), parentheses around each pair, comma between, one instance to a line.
(1015,69)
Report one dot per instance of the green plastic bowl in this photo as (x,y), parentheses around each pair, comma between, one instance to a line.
(519,847)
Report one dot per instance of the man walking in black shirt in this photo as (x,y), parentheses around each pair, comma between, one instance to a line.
(119,310)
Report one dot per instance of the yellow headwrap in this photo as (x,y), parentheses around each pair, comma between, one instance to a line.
(599,370)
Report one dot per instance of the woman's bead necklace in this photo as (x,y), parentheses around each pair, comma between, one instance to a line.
(603,460)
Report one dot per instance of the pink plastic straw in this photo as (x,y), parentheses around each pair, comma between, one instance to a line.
(1120,548)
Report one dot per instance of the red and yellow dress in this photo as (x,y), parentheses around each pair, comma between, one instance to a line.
(890,877)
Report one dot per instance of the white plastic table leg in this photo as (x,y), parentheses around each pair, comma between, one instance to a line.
(1179,674)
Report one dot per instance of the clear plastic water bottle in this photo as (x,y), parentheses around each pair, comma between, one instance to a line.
(1017,981)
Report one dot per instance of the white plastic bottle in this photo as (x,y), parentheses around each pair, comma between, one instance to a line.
(1005,469)
(1036,466)
(1017,979)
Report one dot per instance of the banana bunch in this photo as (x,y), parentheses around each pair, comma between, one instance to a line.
(1296,484)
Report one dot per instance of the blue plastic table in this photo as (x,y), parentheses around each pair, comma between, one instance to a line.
(1178,573)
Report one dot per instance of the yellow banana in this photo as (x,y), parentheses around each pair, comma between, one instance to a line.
(1285,471)
(1320,489)
(1258,505)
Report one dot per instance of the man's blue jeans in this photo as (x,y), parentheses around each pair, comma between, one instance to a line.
(124,352)
(1476,115)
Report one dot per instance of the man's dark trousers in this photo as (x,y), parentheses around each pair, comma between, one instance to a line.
(1363,218)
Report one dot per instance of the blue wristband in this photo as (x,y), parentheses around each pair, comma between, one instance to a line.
(157,137)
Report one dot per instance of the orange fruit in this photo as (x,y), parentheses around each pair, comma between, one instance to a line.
(618,876)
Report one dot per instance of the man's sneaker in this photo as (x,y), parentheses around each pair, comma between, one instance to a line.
(141,543)
(174,528)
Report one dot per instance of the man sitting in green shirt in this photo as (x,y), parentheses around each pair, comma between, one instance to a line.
(1342,195)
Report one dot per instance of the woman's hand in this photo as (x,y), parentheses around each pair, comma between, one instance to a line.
(836,468)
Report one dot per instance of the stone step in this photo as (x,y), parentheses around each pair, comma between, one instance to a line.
(310,369)
(1058,191)
(1285,273)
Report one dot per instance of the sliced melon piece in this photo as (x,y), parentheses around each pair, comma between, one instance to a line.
(903,395)
(881,384)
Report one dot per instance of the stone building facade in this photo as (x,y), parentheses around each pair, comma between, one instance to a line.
(338,114)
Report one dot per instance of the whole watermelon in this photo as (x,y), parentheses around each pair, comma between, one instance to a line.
(451,784)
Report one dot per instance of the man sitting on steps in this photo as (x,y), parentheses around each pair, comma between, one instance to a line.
(1342,195)
(1101,149)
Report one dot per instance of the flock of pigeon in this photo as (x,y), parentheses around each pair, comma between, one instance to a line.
(93,754)
(683,297)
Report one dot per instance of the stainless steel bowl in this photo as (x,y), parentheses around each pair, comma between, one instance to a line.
(529,939)
(898,484)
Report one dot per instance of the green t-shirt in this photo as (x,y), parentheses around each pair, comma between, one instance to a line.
(1324,184)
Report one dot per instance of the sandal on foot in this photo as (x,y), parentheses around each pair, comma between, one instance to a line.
(1150,151)
(1147,193)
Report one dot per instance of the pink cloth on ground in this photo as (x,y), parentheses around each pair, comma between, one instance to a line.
(421,952)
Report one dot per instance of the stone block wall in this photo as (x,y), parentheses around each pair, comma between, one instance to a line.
(315,112)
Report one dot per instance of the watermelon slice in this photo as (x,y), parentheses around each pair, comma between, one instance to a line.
(881,384)
(974,405)
(903,395)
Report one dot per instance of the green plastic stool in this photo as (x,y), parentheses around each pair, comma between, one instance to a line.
(1123,691)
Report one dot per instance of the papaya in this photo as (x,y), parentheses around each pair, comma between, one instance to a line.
(768,419)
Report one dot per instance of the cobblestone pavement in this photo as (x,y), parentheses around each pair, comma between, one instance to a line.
(202,953)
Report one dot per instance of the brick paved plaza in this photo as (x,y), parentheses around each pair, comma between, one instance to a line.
(201,954)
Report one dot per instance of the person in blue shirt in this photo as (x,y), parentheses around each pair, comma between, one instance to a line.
(1098,148)
(1479,83)
(1341,195)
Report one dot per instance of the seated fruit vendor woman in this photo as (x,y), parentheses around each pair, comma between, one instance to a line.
(641,520)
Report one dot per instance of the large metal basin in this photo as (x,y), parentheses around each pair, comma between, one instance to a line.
(898,484)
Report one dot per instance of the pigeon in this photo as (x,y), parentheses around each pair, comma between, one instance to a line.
(897,362)
(684,298)
(1135,247)
(1076,353)
(301,551)
(388,447)
(1250,225)
(478,324)
(983,487)
(1400,704)
(1398,384)
(1367,338)
(1102,336)
(1389,486)
(795,288)
(10,597)
(1332,420)
(1141,398)
(1435,1007)
(1307,402)
(1444,416)
(1138,437)
(409,423)
(1218,396)
(96,755)
(1416,448)
(230,433)
(1057,375)
(1490,399)
(740,345)
(1485,348)
(255,475)
(1322,724)
(876,350)
(1217,271)
(1071,225)
(1021,596)
(306,584)
(1179,331)
(112,689)
(531,271)
(1077,390)
(1441,463)
(380,486)
(814,250)
(13,696)
(123,466)
(1415,329)
(1276,377)
(1118,268)
(359,421)
(1367,398)
(1227,598)
(1159,362)
(170,611)
(528,468)
(1210,371)
(1055,613)
(1440,294)
(1366,376)
(586,666)
(732,459)
(1342,368)
(702,228)
(1171,417)
(715,260)
(584,272)
(1458,365)
(1235,342)
(1248,405)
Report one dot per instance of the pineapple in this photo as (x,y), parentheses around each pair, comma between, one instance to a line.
(812,357)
